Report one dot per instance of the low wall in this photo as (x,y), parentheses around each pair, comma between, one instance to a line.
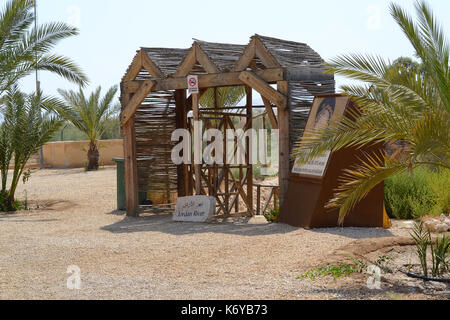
(73,154)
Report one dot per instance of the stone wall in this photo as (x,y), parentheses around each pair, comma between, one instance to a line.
(73,154)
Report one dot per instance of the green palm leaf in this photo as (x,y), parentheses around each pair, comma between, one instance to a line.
(404,100)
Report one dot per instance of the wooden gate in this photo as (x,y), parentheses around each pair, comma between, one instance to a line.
(231,184)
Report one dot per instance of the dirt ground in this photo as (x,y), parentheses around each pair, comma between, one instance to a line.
(154,258)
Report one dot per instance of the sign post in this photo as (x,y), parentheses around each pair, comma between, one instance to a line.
(192,82)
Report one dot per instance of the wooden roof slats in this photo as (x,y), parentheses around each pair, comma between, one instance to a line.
(289,53)
(166,59)
(137,99)
(223,55)
(214,58)
(196,61)
(155,120)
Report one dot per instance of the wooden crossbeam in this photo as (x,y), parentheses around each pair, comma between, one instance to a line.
(270,113)
(211,187)
(204,60)
(187,64)
(207,81)
(266,58)
(243,194)
(254,81)
(150,66)
(246,57)
(129,111)
(135,68)
(196,55)
(255,49)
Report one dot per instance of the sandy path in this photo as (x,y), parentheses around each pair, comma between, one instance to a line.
(152,257)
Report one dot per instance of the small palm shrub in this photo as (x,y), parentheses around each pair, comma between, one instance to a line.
(440,250)
(23,131)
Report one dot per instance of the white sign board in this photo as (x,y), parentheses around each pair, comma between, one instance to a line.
(195,209)
(192,84)
(315,167)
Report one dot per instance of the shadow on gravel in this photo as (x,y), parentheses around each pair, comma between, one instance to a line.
(163,223)
(357,233)
(239,226)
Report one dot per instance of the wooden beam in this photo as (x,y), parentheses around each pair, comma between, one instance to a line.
(204,60)
(253,80)
(134,69)
(270,113)
(188,64)
(247,57)
(181,123)
(264,55)
(307,73)
(130,109)
(198,138)
(207,81)
(131,174)
(150,66)
(284,145)
(248,160)
(243,194)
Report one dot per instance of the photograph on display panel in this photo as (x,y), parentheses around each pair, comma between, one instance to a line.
(324,111)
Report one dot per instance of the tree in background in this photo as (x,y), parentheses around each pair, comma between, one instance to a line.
(402,101)
(92,116)
(24,49)
(22,132)
(226,97)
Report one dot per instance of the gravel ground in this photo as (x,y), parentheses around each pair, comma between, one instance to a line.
(154,258)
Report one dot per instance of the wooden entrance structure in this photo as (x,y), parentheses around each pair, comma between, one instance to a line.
(154,101)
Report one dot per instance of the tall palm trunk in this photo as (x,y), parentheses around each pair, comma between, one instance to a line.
(93,156)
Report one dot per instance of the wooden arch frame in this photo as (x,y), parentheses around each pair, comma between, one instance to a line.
(243,73)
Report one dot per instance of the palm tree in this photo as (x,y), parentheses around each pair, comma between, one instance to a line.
(92,116)
(226,97)
(408,102)
(22,132)
(24,49)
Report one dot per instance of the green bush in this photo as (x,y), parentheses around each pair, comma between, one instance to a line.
(439,183)
(272,215)
(422,193)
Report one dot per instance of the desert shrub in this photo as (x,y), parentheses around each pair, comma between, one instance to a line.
(412,196)
(439,183)
(336,270)
(272,215)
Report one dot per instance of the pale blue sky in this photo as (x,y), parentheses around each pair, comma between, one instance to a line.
(112,30)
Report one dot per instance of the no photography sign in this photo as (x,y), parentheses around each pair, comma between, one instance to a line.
(192,84)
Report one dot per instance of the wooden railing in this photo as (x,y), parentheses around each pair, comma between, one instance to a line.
(274,194)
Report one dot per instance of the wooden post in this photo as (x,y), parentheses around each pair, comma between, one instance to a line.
(249,94)
(197,146)
(180,102)
(131,174)
(226,168)
(284,146)
(258,200)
